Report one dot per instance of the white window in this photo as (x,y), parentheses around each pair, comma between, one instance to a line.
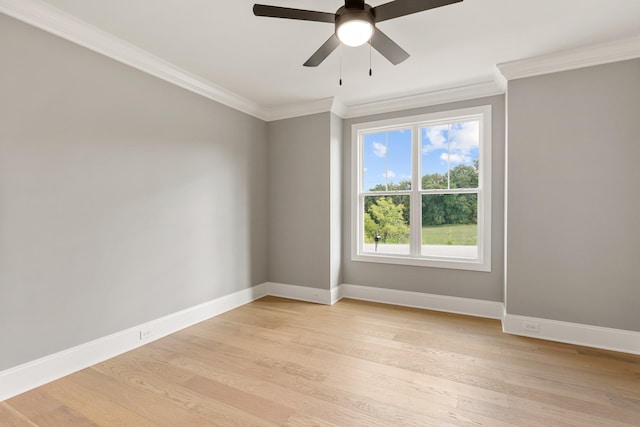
(423,190)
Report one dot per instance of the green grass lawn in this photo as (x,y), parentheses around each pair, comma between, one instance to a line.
(455,234)
(447,234)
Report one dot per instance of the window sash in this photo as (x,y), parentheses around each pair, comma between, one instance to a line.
(480,114)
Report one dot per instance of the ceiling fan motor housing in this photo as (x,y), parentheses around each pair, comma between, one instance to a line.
(354,26)
(361,12)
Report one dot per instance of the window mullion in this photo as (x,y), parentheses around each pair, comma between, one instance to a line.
(416,205)
(359,223)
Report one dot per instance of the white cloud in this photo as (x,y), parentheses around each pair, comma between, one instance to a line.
(436,139)
(379,149)
(388,175)
(463,138)
(455,158)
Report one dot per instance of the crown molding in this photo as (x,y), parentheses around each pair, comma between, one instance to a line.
(338,108)
(289,111)
(50,19)
(461,93)
(499,79)
(335,106)
(604,53)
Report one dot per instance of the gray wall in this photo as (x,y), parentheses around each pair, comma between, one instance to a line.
(299,200)
(459,283)
(573,198)
(122,198)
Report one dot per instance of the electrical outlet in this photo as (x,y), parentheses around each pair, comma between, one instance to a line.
(146,333)
(528,326)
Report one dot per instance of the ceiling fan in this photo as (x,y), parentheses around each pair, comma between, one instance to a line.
(355,24)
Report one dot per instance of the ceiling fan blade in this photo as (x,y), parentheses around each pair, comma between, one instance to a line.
(288,13)
(324,51)
(397,8)
(387,47)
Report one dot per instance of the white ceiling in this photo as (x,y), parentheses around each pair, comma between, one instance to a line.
(261,58)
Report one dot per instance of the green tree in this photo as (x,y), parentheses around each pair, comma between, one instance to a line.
(402,185)
(397,199)
(434,181)
(438,209)
(433,210)
(370,228)
(386,218)
(463,176)
(459,208)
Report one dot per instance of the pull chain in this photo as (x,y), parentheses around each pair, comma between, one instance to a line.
(370,72)
(340,64)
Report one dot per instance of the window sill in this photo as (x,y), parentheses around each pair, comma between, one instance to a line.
(449,263)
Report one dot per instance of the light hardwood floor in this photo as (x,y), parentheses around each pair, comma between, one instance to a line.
(277,362)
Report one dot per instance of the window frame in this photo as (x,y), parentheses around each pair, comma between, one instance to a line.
(415,258)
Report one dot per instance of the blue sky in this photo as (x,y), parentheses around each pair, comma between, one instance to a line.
(387,155)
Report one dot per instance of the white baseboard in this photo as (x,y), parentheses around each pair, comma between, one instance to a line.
(468,306)
(471,307)
(33,374)
(300,293)
(337,294)
(573,333)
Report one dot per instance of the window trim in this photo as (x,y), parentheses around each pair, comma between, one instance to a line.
(483,262)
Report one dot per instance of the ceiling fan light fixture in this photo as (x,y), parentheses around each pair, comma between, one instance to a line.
(354,27)
(355,32)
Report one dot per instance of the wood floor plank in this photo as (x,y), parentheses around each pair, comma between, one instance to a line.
(211,388)
(347,377)
(139,401)
(281,372)
(46,411)
(240,374)
(299,420)
(93,405)
(9,417)
(176,394)
(278,362)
